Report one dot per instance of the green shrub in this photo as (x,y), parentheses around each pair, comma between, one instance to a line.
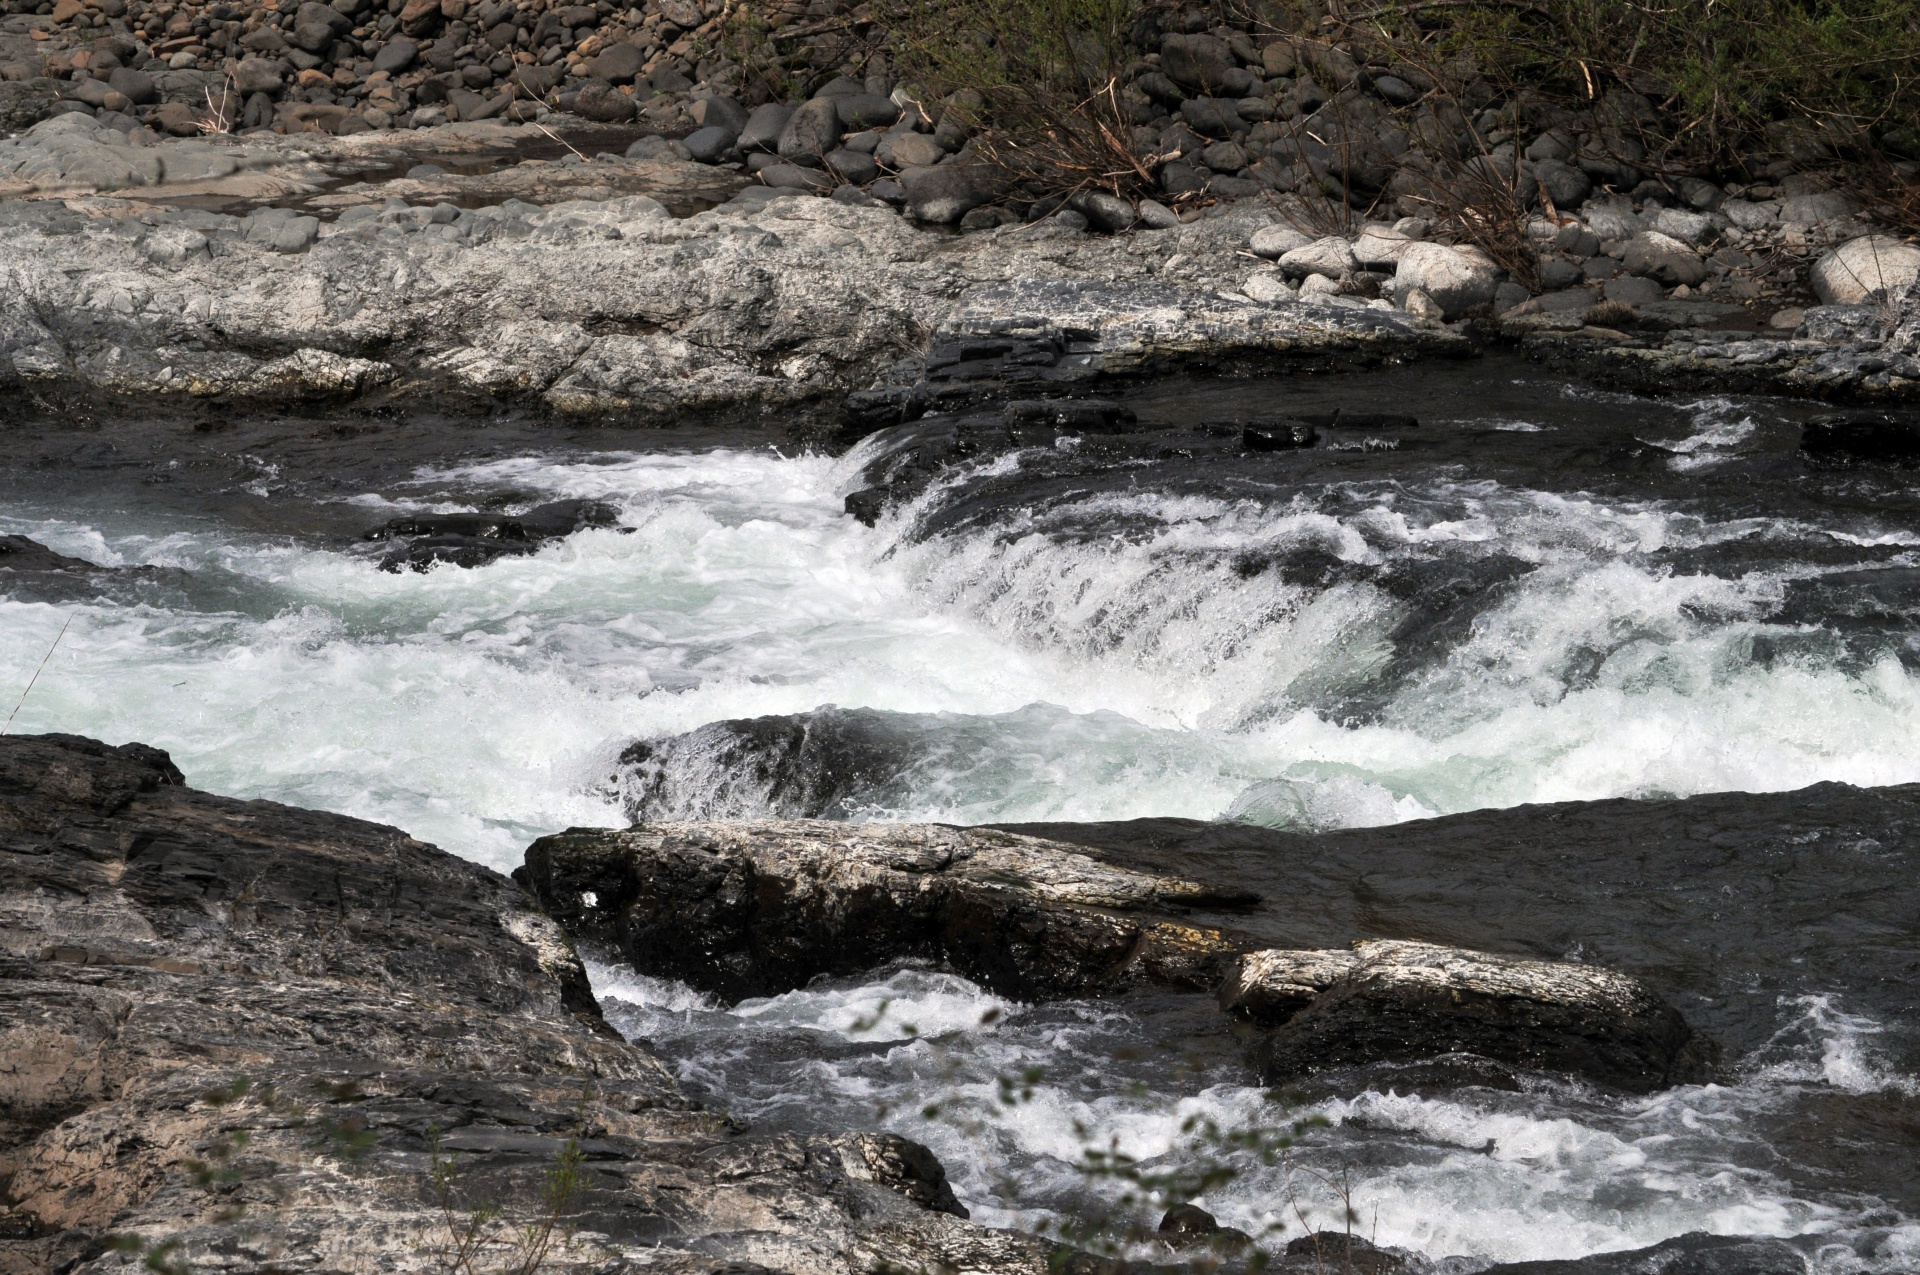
(1038,80)
(1777,78)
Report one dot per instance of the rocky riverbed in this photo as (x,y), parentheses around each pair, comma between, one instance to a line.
(613,306)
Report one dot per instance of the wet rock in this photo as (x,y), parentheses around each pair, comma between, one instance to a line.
(234,1030)
(1861,267)
(1341,1251)
(828,764)
(1863,436)
(1697,1253)
(472,540)
(1188,1228)
(754,909)
(1278,436)
(1390,1000)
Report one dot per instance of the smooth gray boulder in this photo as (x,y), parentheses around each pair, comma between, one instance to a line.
(943,194)
(764,127)
(811,131)
(1855,270)
(1452,279)
(1660,256)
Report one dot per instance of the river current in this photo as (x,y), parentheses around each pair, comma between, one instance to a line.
(1546,593)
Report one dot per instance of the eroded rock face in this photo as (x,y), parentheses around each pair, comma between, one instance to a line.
(783,307)
(754,909)
(1390,1000)
(239,1027)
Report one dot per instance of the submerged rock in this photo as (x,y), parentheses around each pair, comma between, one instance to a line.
(1389,1000)
(755,909)
(472,540)
(241,1035)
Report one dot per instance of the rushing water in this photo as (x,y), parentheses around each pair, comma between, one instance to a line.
(1566,595)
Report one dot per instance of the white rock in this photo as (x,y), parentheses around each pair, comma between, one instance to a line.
(1453,279)
(1273,242)
(1862,266)
(1689,227)
(1422,307)
(1611,220)
(1662,257)
(1267,286)
(1380,246)
(1318,285)
(1751,216)
(1332,257)
(1810,210)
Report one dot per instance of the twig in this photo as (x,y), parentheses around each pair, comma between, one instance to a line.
(36,674)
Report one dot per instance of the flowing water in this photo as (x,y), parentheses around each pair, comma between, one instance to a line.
(1545,593)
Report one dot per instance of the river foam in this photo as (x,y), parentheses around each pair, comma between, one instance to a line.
(1188,665)
(1013,1098)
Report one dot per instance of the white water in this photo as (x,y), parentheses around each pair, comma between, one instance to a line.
(1478,1174)
(479,708)
(1121,675)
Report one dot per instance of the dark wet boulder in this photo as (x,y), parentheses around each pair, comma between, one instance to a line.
(831,763)
(241,1034)
(1696,1253)
(755,909)
(1340,1251)
(1396,1001)
(472,540)
(1856,436)
(1277,436)
(20,554)
(31,571)
(1188,1227)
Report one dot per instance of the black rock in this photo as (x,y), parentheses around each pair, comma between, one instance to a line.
(1693,1254)
(1278,436)
(471,540)
(1340,418)
(1863,436)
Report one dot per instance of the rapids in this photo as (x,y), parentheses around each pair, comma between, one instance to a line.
(1545,593)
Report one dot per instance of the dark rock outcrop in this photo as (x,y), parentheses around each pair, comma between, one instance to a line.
(472,540)
(234,1031)
(753,909)
(1387,1000)
(1856,436)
